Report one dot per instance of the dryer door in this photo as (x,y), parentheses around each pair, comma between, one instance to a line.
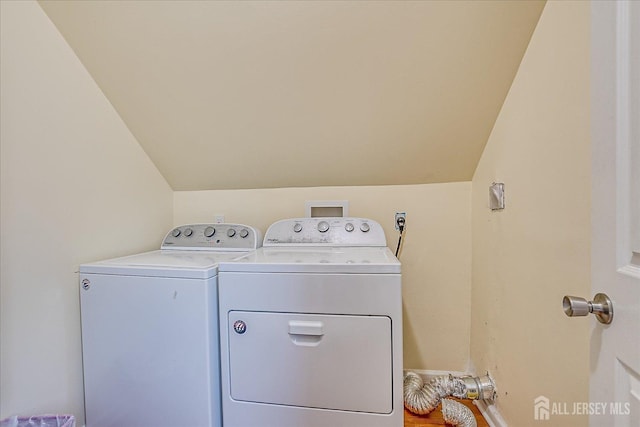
(334,362)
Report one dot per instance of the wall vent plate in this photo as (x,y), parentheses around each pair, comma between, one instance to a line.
(326,208)
(496,196)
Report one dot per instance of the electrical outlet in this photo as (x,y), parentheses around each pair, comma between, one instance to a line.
(399,215)
(219,219)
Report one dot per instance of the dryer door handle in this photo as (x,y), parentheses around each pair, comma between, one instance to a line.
(300,327)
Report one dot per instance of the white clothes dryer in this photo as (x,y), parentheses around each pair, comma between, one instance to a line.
(311,328)
(150,339)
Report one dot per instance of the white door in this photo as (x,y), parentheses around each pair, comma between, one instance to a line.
(615,348)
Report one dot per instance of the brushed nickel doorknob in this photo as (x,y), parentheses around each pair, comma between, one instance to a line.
(601,307)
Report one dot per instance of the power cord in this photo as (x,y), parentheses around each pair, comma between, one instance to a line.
(400,222)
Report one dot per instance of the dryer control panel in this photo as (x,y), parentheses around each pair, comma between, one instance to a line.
(228,237)
(325,232)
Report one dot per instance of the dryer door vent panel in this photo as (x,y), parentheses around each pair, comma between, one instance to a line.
(334,362)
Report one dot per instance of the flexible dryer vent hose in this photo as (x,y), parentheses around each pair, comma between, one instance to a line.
(421,398)
(455,413)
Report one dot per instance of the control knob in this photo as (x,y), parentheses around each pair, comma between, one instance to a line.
(188,232)
(349,227)
(209,231)
(364,227)
(231,232)
(176,232)
(323,226)
(244,233)
(297,228)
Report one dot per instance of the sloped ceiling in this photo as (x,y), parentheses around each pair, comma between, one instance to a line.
(256,94)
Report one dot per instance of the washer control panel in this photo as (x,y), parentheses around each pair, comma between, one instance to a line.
(325,232)
(228,237)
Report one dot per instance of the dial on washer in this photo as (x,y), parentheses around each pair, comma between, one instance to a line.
(209,231)
(323,226)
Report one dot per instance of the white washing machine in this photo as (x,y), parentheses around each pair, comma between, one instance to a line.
(311,328)
(150,341)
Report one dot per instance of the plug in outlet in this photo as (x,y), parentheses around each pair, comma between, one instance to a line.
(219,219)
(400,220)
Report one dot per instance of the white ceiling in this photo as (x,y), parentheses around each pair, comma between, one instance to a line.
(255,94)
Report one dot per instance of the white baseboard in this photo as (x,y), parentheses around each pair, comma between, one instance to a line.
(488,411)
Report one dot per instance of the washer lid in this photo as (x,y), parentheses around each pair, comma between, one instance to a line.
(164,263)
(316,260)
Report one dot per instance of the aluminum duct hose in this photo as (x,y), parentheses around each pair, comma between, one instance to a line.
(421,398)
(455,413)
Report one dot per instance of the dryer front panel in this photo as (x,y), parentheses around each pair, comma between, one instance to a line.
(338,362)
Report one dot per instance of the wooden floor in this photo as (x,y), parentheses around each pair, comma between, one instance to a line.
(435,417)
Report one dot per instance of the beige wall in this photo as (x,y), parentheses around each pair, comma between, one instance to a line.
(528,256)
(75,187)
(436,255)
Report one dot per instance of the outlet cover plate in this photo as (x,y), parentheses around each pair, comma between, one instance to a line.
(400,215)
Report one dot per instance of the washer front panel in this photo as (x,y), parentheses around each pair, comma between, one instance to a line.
(150,351)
